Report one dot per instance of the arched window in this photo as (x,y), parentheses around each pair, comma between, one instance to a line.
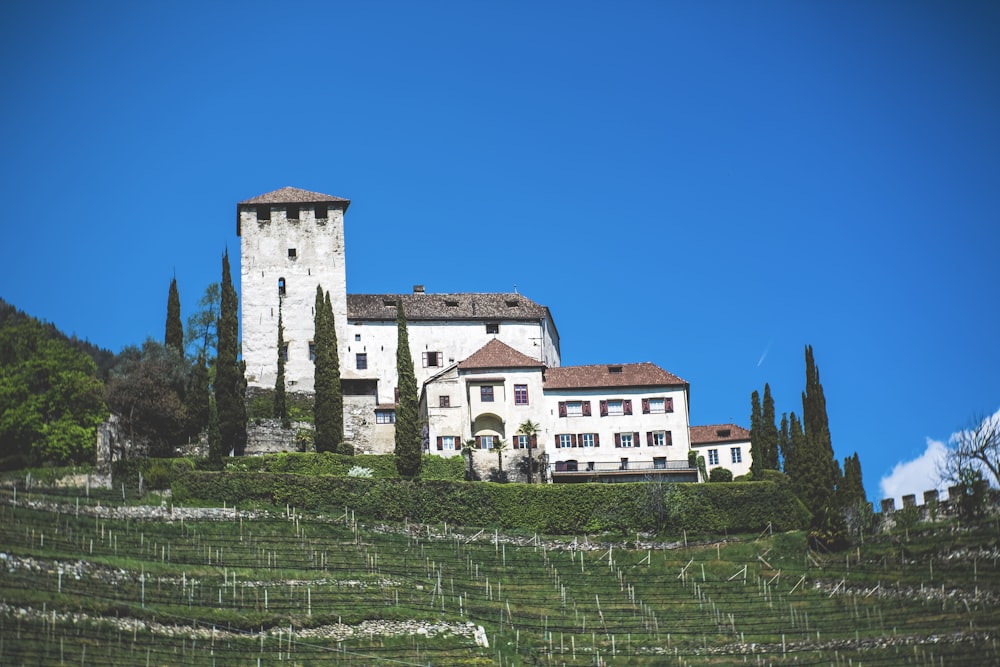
(281,287)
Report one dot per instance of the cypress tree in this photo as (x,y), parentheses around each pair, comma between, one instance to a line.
(322,386)
(280,404)
(784,439)
(819,468)
(174,337)
(852,490)
(407,418)
(336,393)
(794,453)
(756,438)
(229,385)
(769,431)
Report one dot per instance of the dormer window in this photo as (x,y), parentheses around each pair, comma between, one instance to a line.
(451,304)
(511,303)
(615,370)
(724,432)
(388,302)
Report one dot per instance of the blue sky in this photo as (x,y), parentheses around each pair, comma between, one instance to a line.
(707,186)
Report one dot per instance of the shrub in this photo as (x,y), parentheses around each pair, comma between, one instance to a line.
(720,475)
(358,471)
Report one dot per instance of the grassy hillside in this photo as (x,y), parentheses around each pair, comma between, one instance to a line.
(85,582)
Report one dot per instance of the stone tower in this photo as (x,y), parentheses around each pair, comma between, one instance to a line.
(291,240)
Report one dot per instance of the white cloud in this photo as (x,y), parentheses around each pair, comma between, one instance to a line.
(916,476)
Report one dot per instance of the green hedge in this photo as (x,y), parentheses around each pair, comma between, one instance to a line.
(548,508)
(383,466)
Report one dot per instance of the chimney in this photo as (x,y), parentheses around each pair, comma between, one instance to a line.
(418,289)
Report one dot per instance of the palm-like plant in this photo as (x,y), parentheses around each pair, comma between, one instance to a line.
(499,447)
(468,448)
(530,429)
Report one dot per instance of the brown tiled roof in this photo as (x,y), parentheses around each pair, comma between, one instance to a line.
(496,354)
(644,374)
(462,306)
(290,195)
(704,435)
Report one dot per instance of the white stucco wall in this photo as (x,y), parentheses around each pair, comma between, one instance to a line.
(675,422)
(319,260)
(725,452)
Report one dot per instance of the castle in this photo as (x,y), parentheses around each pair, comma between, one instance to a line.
(485,363)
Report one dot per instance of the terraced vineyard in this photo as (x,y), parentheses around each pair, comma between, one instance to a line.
(87,582)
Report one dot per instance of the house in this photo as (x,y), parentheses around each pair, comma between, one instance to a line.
(723,446)
(618,422)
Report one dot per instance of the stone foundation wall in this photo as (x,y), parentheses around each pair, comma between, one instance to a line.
(266,436)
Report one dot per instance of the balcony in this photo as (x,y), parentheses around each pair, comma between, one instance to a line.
(625,471)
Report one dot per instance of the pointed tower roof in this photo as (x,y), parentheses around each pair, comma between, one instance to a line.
(497,354)
(290,195)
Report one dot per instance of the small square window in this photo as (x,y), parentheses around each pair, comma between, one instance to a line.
(492,328)
(587,440)
(565,440)
(432,359)
(713,457)
(320,211)
(385,416)
(444,401)
(361,361)
(521,441)
(625,439)
(292,212)
(737,454)
(292,253)
(574,408)
(486,393)
(263,213)
(357,337)
(616,408)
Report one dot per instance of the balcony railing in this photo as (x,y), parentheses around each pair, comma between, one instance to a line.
(605,467)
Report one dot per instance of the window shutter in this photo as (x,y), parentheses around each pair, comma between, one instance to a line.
(440,442)
(618,439)
(604,408)
(645,406)
(533,442)
(627,406)
(597,440)
(667,438)
(635,439)
(586,408)
(479,442)
(668,404)
(574,439)
(649,437)
(423,355)
(562,408)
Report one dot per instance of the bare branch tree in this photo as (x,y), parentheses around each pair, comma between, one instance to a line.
(975,447)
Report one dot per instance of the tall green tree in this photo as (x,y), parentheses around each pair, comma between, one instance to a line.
(328,406)
(196,402)
(769,431)
(280,404)
(852,489)
(820,471)
(756,437)
(407,417)
(784,439)
(174,336)
(201,333)
(794,451)
(229,394)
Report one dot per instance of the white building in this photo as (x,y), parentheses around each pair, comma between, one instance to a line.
(485,363)
(723,446)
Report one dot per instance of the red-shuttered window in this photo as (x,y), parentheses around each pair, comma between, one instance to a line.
(657,405)
(447,442)
(520,394)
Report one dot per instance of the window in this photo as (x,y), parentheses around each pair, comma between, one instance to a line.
(292,212)
(444,401)
(617,406)
(484,441)
(432,359)
(656,438)
(713,457)
(312,351)
(486,393)
(361,360)
(357,337)
(292,253)
(281,287)
(624,465)
(660,462)
(492,328)
(657,405)
(263,213)
(588,440)
(321,211)
(521,441)
(284,352)
(447,442)
(626,439)
(385,416)
(574,408)
(737,454)
(520,394)
(565,440)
